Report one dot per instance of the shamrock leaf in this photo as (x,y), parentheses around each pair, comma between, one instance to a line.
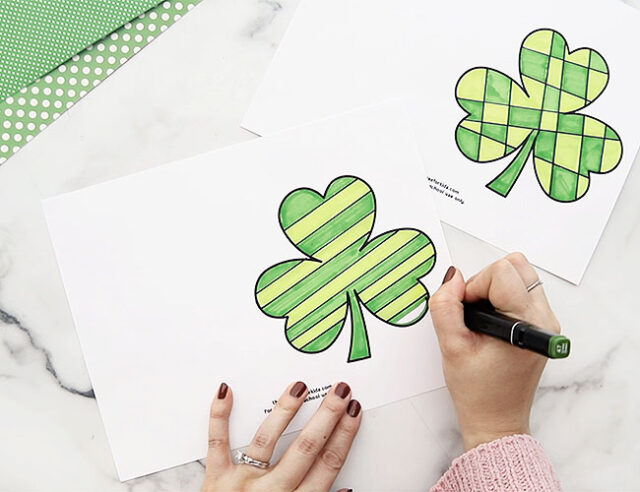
(539,116)
(344,269)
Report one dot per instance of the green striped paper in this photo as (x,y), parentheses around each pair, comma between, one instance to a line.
(28,112)
(345,268)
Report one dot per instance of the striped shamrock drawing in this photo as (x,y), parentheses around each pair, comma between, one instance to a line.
(540,116)
(344,268)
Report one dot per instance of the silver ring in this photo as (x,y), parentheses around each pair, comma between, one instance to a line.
(243,459)
(534,285)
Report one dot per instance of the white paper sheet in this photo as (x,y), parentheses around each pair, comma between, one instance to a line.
(160,269)
(340,54)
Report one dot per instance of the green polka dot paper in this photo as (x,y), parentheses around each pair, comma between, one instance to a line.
(38,35)
(34,107)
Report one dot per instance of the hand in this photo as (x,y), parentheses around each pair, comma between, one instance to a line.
(312,462)
(492,383)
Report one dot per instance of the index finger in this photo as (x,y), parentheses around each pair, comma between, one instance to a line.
(501,284)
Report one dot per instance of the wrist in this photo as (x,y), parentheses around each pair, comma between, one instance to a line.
(472,439)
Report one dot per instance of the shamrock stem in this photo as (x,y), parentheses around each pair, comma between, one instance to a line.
(507,178)
(359,339)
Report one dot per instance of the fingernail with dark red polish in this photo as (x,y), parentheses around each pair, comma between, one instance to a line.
(449,275)
(354,408)
(298,389)
(342,390)
(222,392)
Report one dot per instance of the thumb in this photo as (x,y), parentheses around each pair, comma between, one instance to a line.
(447,312)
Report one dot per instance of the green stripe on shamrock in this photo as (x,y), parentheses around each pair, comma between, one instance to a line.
(540,116)
(344,268)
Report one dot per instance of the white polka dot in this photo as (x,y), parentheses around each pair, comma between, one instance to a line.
(83,93)
(62,69)
(3,160)
(32,114)
(16,149)
(17,137)
(29,138)
(109,71)
(163,28)
(44,115)
(190,6)
(9,100)
(97,71)
(113,48)
(31,126)
(69,105)
(177,17)
(166,5)
(22,101)
(4,149)
(123,60)
(20,113)
(86,70)
(71,93)
(42,126)
(8,112)
(46,91)
(125,49)
(126,37)
(23,90)
(165,17)
(59,92)
(101,47)
(99,59)
(35,90)
(87,58)
(139,26)
(75,58)
(7,124)
(19,125)
(178,5)
(74,69)
(56,116)
(84,82)
(33,102)
(57,105)
(96,82)
(152,27)
(6,136)
(127,26)
(136,49)
(111,60)
(46,103)
(138,38)
(153,15)
(48,79)
(150,38)
(114,36)
(60,80)
(73,81)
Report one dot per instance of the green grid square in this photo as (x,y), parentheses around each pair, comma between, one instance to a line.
(570,123)
(574,79)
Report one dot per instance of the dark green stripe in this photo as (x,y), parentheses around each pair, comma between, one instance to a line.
(396,289)
(274,273)
(408,309)
(322,341)
(335,187)
(338,224)
(361,283)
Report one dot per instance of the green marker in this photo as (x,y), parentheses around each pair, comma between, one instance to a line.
(483,318)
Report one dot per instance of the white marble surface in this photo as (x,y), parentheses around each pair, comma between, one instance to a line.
(186,94)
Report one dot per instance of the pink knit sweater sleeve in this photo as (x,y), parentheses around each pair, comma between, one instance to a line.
(511,464)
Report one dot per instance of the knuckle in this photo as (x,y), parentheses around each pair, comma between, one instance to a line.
(217,412)
(309,446)
(333,406)
(287,409)
(218,442)
(451,347)
(517,258)
(332,459)
(262,440)
(501,266)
